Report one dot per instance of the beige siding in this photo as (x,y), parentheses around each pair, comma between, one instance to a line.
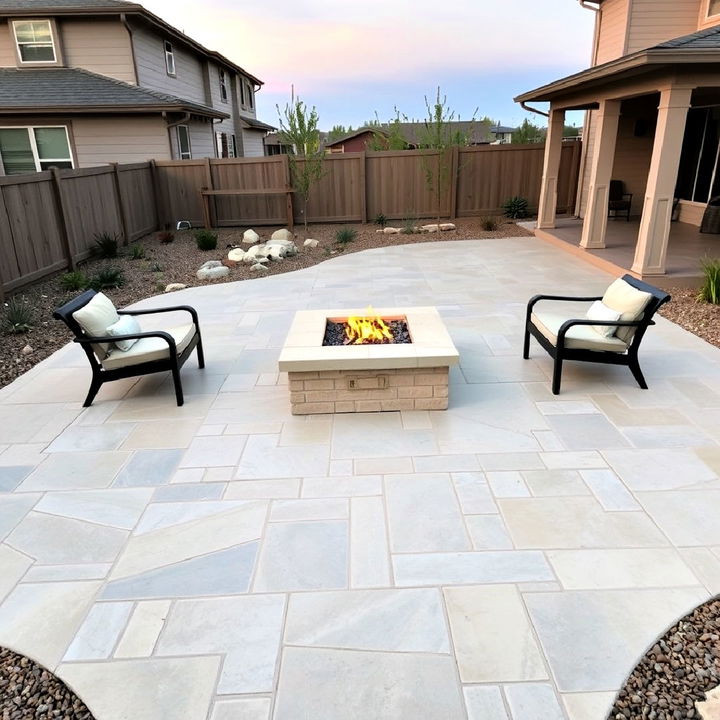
(632,161)
(653,22)
(100,45)
(7,51)
(150,59)
(613,26)
(120,139)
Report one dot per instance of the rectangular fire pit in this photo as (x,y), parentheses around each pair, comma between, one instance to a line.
(368,377)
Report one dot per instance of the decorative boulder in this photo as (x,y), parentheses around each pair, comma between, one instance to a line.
(172,287)
(258,267)
(431,228)
(311,243)
(27,350)
(282,235)
(277,252)
(391,231)
(212,270)
(447,226)
(250,237)
(255,251)
(236,255)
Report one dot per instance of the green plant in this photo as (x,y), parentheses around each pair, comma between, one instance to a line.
(489,223)
(345,235)
(380,220)
(166,237)
(516,207)
(137,252)
(107,278)
(74,281)
(106,245)
(710,290)
(408,226)
(18,316)
(206,240)
(156,267)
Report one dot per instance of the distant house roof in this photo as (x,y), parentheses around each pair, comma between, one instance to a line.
(502,129)
(72,89)
(698,47)
(35,8)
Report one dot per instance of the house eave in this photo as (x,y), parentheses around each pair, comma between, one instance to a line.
(106,110)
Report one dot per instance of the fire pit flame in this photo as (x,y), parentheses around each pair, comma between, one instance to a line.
(368,329)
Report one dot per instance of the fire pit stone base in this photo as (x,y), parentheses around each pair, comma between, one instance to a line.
(347,391)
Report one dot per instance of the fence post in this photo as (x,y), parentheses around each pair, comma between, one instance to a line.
(157,194)
(363,187)
(211,204)
(455,175)
(120,203)
(63,218)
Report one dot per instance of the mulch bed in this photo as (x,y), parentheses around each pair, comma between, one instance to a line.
(30,692)
(676,672)
(700,318)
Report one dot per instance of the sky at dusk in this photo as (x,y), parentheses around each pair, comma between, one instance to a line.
(352,60)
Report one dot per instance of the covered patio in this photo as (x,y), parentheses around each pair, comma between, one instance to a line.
(653,125)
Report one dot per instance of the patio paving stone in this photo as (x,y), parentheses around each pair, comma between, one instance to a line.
(686,517)
(10,477)
(249,709)
(14,565)
(99,632)
(143,628)
(75,471)
(533,701)
(485,702)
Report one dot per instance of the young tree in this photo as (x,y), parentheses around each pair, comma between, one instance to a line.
(528,133)
(338,131)
(388,136)
(299,130)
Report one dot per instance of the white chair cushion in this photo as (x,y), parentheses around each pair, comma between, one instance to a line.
(629,301)
(95,318)
(578,337)
(599,311)
(126,325)
(148,349)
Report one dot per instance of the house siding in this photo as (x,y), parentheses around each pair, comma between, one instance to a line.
(201,139)
(653,22)
(253,143)
(632,161)
(227,125)
(98,45)
(7,51)
(99,141)
(613,19)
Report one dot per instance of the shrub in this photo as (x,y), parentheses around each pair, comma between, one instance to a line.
(137,252)
(710,290)
(107,277)
(156,267)
(380,220)
(106,245)
(166,237)
(489,223)
(408,227)
(18,316)
(516,207)
(345,235)
(74,281)
(206,240)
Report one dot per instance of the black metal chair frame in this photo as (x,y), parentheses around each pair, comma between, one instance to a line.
(100,375)
(622,201)
(560,353)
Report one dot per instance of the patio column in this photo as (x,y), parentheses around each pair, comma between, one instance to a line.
(595,224)
(551,169)
(651,248)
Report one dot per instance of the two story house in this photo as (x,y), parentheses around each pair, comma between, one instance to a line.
(88,82)
(652,97)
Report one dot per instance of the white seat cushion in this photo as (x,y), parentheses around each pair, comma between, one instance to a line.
(629,301)
(148,349)
(95,318)
(578,337)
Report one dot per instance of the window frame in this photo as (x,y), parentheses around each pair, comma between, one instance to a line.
(34,147)
(232,145)
(242,91)
(189,143)
(169,58)
(53,42)
(222,77)
(250,95)
(709,14)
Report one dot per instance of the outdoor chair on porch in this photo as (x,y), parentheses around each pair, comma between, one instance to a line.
(116,347)
(619,202)
(610,333)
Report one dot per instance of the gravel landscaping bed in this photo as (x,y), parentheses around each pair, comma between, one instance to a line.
(30,692)
(700,318)
(676,672)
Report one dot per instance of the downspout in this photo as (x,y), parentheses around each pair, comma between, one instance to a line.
(596,36)
(124,21)
(171,125)
(524,106)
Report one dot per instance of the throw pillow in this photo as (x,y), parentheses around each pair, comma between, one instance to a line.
(126,325)
(95,317)
(599,311)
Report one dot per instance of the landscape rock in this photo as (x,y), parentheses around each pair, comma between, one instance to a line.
(27,350)
(311,243)
(212,270)
(277,252)
(391,231)
(256,251)
(447,226)
(289,247)
(431,228)
(172,287)
(257,267)
(283,234)
(250,237)
(236,255)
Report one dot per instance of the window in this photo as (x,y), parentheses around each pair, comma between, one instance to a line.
(242,92)
(250,96)
(169,59)
(713,7)
(183,136)
(223,86)
(698,178)
(34,39)
(232,147)
(32,149)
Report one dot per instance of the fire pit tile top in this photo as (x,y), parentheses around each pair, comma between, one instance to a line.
(431,344)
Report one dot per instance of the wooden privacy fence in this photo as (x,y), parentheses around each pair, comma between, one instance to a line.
(48,220)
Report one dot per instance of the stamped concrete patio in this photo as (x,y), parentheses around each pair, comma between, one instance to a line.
(511,557)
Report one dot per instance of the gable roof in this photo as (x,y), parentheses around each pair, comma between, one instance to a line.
(76,90)
(37,8)
(702,39)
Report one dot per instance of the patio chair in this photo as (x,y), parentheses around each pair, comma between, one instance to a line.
(610,333)
(117,348)
(619,202)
